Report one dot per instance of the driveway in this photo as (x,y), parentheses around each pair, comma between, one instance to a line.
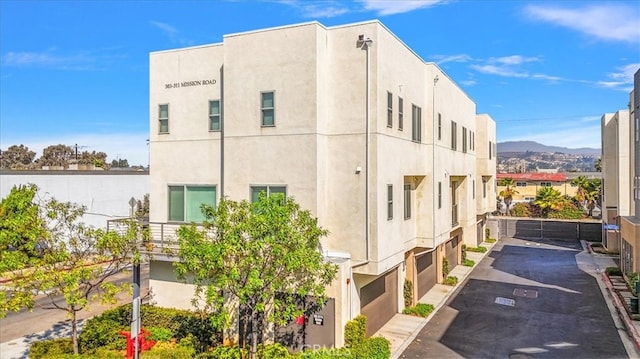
(527,299)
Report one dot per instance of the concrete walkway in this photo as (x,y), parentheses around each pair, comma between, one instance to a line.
(402,329)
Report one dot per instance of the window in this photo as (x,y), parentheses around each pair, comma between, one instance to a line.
(473,189)
(637,129)
(214,115)
(389,109)
(407,200)
(439,126)
(490,149)
(400,113)
(484,189)
(163,118)
(389,201)
(185,202)
(521,184)
(545,184)
(636,187)
(454,135)
(464,139)
(268,108)
(529,198)
(439,194)
(473,141)
(416,120)
(268,190)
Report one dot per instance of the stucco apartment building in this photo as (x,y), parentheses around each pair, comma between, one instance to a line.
(383,147)
(621,170)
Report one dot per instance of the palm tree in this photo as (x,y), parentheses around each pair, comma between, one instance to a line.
(548,199)
(581,192)
(507,193)
(592,192)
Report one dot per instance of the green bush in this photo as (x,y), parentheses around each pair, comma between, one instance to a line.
(160,334)
(568,211)
(355,331)
(99,333)
(450,280)
(326,353)
(479,249)
(613,271)
(419,310)
(464,252)
(47,348)
(224,352)
(167,350)
(490,240)
(521,209)
(469,263)
(273,351)
(373,348)
(445,267)
(408,292)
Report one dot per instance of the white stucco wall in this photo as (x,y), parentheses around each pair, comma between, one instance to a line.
(106,195)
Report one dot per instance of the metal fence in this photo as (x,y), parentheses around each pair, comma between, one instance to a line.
(549,229)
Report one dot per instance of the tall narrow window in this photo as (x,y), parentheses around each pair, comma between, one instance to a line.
(473,141)
(484,189)
(407,200)
(473,189)
(214,115)
(268,108)
(389,201)
(439,126)
(439,194)
(185,202)
(637,129)
(464,139)
(163,118)
(389,109)
(400,113)
(454,135)
(490,150)
(416,121)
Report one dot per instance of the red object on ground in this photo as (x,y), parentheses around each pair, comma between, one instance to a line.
(144,344)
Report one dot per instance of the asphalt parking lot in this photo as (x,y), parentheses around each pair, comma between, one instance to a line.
(526,299)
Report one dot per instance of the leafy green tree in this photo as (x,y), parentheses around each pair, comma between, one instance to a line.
(56,155)
(508,193)
(581,191)
(74,263)
(592,194)
(262,256)
(548,199)
(598,164)
(16,157)
(98,159)
(21,228)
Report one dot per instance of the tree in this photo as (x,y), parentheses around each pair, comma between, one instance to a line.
(21,228)
(16,157)
(581,191)
(121,162)
(74,264)
(507,193)
(549,199)
(142,208)
(598,164)
(587,192)
(56,155)
(262,256)
(98,159)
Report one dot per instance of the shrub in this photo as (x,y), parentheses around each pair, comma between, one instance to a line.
(224,352)
(326,353)
(490,240)
(450,280)
(273,351)
(613,271)
(469,263)
(166,350)
(373,348)
(445,267)
(160,334)
(568,211)
(355,331)
(464,252)
(521,209)
(408,292)
(419,310)
(479,249)
(102,333)
(51,347)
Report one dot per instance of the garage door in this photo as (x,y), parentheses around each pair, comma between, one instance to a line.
(379,301)
(427,272)
(452,252)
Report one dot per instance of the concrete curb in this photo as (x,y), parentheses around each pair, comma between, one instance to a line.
(622,312)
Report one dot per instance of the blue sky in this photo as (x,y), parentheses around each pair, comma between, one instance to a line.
(76,72)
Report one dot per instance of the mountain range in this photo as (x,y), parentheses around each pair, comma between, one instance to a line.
(532,146)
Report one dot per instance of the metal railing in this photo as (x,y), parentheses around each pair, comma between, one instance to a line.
(156,238)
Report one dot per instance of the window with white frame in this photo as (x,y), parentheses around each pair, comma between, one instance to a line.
(185,202)
(214,115)
(400,113)
(268,190)
(268,108)
(490,150)
(545,184)
(407,200)
(439,126)
(464,139)
(389,109)
(454,135)
(416,121)
(439,194)
(389,201)
(521,184)
(473,189)
(163,118)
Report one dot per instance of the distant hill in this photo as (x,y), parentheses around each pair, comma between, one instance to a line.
(531,146)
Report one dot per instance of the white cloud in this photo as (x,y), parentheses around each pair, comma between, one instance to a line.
(87,60)
(505,71)
(171,32)
(442,59)
(608,21)
(390,7)
(513,59)
(130,146)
